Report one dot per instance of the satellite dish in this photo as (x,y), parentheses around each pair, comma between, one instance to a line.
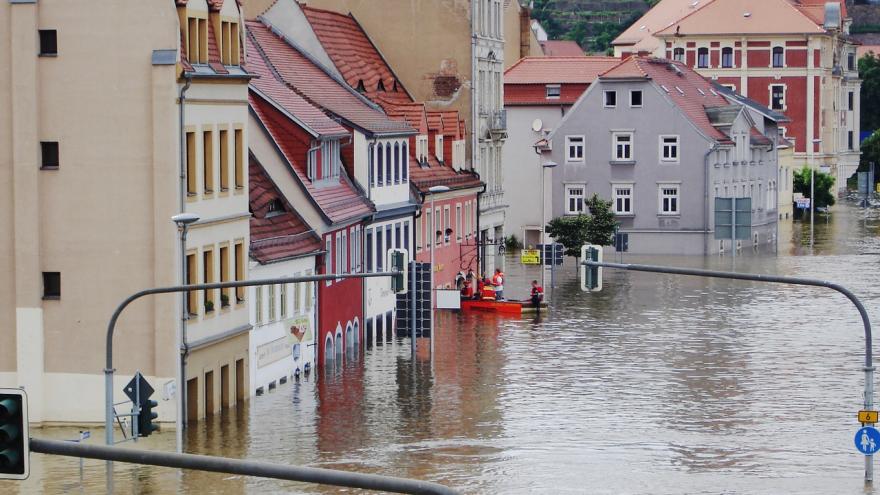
(537,125)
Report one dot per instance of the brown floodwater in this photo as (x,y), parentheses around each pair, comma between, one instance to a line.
(657,384)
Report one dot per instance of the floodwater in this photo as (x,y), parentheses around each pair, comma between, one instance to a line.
(657,384)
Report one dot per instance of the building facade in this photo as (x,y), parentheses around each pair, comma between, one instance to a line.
(794,57)
(538,92)
(659,142)
(88,224)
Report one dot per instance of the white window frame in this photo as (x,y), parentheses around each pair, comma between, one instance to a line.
(683,54)
(615,196)
(458,223)
(662,195)
(569,196)
(447,223)
(328,258)
(614,143)
(771,57)
(569,145)
(631,104)
(555,88)
(770,99)
(605,94)
(676,145)
(708,57)
(438,147)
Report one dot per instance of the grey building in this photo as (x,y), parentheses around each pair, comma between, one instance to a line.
(661,142)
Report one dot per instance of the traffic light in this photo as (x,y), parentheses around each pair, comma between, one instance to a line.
(146,417)
(14,447)
(591,276)
(398,261)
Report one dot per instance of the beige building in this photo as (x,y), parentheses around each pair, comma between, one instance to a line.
(451,54)
(91,175)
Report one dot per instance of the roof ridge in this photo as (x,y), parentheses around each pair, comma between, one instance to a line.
(710,2)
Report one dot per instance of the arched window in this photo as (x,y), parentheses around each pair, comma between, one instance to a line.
(702,58)
(396,163)
(727,57)
(404,158)
(372,165)
(379,165)
(778,56)
(388,163)
(339,345)
(328,349)
(678,54)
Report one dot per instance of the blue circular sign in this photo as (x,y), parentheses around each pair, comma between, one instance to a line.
(868,440)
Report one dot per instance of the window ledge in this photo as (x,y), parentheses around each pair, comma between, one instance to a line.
(51,298)
(48,55)
(669,215)
(670,162)
(49,167)
(622,162)
(630,215)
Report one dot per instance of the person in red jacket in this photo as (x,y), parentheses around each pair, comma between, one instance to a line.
(498,282)
(537,294)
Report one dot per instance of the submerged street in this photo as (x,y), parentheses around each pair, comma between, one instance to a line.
(657,384)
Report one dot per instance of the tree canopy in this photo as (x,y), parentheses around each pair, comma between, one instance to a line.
(824,185)
(575,231)
(869,72)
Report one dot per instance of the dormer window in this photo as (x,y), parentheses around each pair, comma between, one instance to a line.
(276,207)
(438,147)
(380,86)
(323,161)
(360,86)
(197,40)
(229,43)
(422,149)
(394,88)
(553,91)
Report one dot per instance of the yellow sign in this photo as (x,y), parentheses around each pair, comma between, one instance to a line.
(868,417)
(530,257)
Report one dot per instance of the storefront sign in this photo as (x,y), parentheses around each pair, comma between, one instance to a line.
(530,257)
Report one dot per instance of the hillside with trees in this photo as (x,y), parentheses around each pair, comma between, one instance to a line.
(592,24)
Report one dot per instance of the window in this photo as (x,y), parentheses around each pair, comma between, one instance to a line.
(669,199)
(379,256)
(369,251)
(343,245)
(197,33)
(438,226)
(610,99)
(438,147)
(239,270)
(258,304)
(224,276)
(419,234)
(458,224)
(239,159)
(668,148)
(850,101)
(849,140)
(208,151)
(635,98)
(329,159)
(406,236)
(553,91)
(622,147)
(396,155)
(48,42)
(388,241)
(777,97)
(778,56)
(446,224)
(575,147)
(192,298)
(851,61)
(191,188)
(272,304)
(328,258)
(678,54)
(404,161)
(429,228)
(380,161)
(224,160)
(230,51)
(622,198)
(727,57)
(49,154)
(574,200)
(297,296)
(702,58)
(388,164)
(208,278)
(51,285)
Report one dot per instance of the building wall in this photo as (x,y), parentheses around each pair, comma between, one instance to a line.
(271,342)
(102,218)
(340,302)
(455,254)
(786,183)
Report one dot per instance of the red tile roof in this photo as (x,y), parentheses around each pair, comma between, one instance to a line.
(745,17)
(317,86)
(691,92)
(413,113)
(561,48)
(339,201)
(557,70)
(423,178)
(271,86)
(354,54)
(275,236)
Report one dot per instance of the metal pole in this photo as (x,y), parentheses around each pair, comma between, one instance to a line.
(866,322)
(181,358)
(412,307)
(733,225)
(812,199)
(240,467)
(433,241)
(543,225)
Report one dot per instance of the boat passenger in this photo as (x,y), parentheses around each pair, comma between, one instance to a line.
(537,294)
(498,282)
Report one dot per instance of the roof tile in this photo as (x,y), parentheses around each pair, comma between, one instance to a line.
(561,48)
(558,70)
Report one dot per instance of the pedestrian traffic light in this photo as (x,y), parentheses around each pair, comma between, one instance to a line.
(591,276)
(398,261)
(14,446)
(146,417)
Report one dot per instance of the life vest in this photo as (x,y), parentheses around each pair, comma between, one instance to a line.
(498,281)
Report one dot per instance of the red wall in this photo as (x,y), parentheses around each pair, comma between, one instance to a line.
(453,257)
(537,93)
(795,101)
(339,303)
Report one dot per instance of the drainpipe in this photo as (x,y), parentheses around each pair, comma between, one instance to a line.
(184,347)
(712,149)
(481,268)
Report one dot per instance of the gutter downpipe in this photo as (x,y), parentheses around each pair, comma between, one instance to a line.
(184,313)
(480,265)
(712,149)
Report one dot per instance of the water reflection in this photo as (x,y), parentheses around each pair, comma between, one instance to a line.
(657,384)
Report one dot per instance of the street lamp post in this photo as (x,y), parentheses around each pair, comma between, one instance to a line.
(433,190)
(544,167)
(183,221)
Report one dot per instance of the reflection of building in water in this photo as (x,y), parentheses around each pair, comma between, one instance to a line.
(342,424)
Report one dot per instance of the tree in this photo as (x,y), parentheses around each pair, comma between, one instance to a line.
(869,73)
(575,231)
(824,185)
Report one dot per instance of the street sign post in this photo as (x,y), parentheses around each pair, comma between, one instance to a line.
(530,257)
